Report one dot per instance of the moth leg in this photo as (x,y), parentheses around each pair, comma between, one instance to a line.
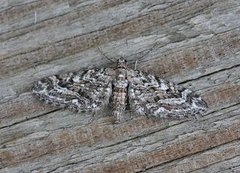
(135,65)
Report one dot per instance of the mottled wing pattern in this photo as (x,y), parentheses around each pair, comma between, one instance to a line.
(145,94)
(81,92)
(153,96)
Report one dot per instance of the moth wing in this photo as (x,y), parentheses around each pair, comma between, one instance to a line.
(86,91)
(153,96)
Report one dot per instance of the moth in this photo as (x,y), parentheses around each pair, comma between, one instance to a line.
(119,88)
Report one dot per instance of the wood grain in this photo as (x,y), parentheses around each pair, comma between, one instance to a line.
(194,43)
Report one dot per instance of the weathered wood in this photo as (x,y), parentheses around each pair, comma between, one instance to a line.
(192,42)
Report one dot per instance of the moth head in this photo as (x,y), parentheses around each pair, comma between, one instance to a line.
(121,62)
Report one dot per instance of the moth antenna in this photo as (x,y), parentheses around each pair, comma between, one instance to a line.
(136,61)
(154,45)
(105,56)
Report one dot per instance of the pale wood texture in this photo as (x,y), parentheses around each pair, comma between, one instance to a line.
(192,42)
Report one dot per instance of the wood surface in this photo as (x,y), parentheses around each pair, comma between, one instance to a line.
(194,43)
